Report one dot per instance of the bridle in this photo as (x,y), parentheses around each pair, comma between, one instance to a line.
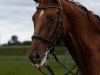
(52,42)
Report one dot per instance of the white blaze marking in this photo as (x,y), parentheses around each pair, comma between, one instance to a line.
(41,13)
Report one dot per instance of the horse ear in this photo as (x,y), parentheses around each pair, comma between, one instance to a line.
(55,1)
(36,0)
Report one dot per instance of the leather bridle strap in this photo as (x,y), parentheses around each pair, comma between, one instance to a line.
(42,71)
(39,8)
(49,69)
(42,38)
(69,71)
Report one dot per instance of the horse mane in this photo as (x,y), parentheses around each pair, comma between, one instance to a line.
(85,9)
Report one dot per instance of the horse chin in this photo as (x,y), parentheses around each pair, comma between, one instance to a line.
(43,60)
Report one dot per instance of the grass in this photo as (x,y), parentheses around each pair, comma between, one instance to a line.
(22,50)
(13,61)
(17,50)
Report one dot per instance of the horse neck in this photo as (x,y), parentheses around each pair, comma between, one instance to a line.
(81,40)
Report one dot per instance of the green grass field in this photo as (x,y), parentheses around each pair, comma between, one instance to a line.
(13,61)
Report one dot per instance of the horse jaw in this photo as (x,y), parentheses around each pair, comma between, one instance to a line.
(43,61)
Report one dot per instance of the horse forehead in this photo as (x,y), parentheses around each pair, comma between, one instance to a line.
(41,13)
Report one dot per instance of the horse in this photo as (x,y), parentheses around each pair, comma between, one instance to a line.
(70,22)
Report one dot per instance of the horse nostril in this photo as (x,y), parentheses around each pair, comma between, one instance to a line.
(36,56)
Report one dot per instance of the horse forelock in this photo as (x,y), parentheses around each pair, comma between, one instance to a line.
(42,1)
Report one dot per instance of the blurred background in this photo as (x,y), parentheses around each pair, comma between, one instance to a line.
(16,29)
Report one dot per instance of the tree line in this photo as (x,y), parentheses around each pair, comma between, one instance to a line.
(14,41)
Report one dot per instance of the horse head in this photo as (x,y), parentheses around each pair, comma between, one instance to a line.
(47,20)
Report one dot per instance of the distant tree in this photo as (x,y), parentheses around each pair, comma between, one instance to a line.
(14,39)
(26,43)
(18,43)
(9,43)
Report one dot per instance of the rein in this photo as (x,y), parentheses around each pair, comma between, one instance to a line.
(51,71)
(52,42)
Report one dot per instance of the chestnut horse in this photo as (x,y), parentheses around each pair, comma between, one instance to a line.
(72,23)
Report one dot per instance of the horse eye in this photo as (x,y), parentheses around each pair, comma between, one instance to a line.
(50,19)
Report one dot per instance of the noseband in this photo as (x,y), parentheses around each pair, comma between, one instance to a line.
(51,42)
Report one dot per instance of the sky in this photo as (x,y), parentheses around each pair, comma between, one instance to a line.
(16,17)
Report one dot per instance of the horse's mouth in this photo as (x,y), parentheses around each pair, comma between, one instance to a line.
(40,62)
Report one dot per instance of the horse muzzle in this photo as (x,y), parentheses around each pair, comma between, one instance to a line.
(38,59)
